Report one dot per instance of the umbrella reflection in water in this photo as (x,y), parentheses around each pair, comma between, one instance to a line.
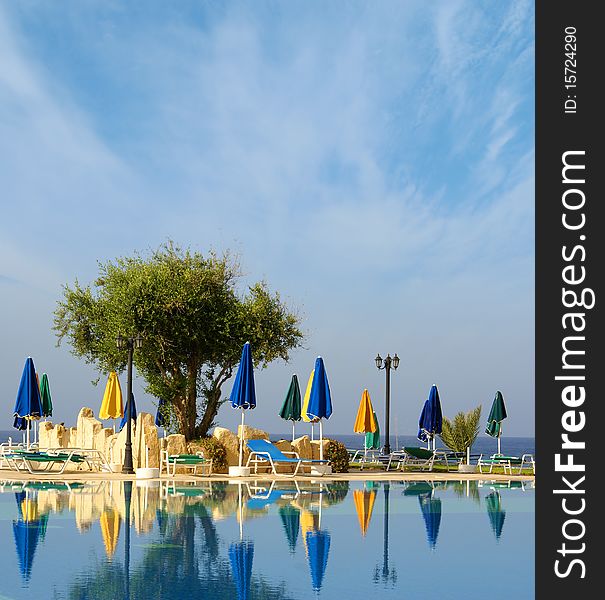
(431,512)
(28,530)
(290,519)
(318,548)
(364,505)
(240,556)
(495,513)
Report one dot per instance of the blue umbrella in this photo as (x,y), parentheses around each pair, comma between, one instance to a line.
(431,511)
(243,394)
(29,404)
(133,412)
(318,548)
(160,419)
(320,400)
(431,417)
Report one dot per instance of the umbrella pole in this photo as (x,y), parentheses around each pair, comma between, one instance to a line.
(320,497)
(241,513)
(499,434)
(312,431)
(321,445)
(28,424)
(292,430)
(241,440)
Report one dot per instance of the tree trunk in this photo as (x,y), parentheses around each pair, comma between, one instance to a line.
(212,405)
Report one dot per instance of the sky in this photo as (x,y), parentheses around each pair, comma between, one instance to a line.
(372,161)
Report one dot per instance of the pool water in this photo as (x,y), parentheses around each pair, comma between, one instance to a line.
(214,540)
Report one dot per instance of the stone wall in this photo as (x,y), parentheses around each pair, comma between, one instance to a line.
(90,433)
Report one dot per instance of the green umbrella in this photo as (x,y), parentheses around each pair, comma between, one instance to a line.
(291,408)
(497,414)
(372,440)
(47,403)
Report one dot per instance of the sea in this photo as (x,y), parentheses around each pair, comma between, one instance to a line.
(484,444)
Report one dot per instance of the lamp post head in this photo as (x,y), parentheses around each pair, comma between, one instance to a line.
(395,361)
(120,342)
(378,360)
(138,341)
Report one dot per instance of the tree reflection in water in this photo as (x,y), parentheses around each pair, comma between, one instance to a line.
(184,563)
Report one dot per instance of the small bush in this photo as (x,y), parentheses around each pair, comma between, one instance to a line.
(214,450)
(337,454)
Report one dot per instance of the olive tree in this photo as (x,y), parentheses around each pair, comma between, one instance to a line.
(193,321)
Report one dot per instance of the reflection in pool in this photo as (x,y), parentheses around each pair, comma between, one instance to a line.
(273,540)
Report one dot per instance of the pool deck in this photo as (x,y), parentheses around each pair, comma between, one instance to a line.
(9,474)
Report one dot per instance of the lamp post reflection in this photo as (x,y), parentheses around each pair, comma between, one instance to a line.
(385,574)
(127,501)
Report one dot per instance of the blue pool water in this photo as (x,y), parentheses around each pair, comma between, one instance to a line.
(216,540)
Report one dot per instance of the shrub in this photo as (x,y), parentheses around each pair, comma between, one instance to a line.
(460,434)
(214,450)
(337,454)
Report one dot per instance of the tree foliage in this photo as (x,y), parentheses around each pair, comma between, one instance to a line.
(460,434)
(193,322)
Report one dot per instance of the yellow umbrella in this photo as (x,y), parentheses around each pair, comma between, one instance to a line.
(112,407)
(305,404)
(110,529)
(365,421)
(364,505)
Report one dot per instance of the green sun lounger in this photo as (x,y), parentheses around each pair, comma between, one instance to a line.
(507,463)
(37,461)
(422,458)
(188,461)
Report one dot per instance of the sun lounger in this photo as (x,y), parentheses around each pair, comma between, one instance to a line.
(187,461)
(264,454)
(36,461)
(422,458)
(507,463)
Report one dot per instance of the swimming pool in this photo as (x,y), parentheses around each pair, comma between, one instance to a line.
(446,540)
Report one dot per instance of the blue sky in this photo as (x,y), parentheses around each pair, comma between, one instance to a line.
(373,161)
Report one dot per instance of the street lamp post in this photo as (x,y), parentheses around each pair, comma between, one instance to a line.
(387,364)
(130,344)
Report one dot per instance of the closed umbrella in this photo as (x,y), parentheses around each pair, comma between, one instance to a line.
(290,520)
(45,397)
(305,405)
(431,512)
(28,405)
(497,414)
(495,513)
(372,440)
(364,505)
(365,421)
(133,412)
(160,415)
(320,400)
(291,408)
(243,394)
(431,418)
(112,406)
